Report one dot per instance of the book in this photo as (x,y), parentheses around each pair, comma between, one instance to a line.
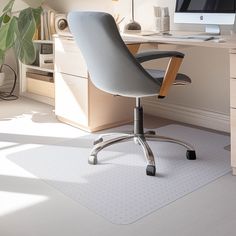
(45,77)
(47,28)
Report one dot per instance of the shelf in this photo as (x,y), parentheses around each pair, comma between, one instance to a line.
(43,41)
(36,81)
(39,68)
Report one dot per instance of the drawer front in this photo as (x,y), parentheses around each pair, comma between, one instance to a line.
(69,59)
(40,87)
(233,93)
(71,98)
(233,65)
(233,136)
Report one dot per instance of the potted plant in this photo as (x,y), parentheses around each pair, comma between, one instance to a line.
(17,31)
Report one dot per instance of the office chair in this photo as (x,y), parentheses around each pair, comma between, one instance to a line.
(115,70)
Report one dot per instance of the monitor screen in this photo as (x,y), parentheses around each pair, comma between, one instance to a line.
(205,6)
(211,13)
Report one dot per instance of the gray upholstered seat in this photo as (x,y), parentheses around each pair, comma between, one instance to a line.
(158,76)
(115,70)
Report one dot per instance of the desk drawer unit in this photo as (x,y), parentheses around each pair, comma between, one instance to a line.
(77,101)
(71,98)
(233,108)
(233,64)
(233,138)
(69,59)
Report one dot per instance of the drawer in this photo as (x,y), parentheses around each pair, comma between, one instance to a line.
(233,93)
(233,136)
(232,65)
(68,58)
(71,98)
(40,87)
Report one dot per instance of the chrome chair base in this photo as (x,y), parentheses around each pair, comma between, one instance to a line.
(140,138)
(100,144)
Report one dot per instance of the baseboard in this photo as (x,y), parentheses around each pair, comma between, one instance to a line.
(187,115)
(234,171)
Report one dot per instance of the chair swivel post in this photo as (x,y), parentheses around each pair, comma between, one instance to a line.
(138,119)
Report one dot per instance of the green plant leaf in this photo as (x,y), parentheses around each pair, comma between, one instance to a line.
(25,51)
(1,20)
(2,55)
(7,34)
(37,14)
(26,17)
(26,28)
(19,31)
(5,17)
(28,21)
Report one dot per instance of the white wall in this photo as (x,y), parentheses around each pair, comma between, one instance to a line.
(68,5)
(143,10)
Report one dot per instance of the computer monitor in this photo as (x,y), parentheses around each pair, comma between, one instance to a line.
(211,13)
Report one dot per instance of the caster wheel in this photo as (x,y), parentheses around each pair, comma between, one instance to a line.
(98,141)
(191,155)
(92,160)
(136,141)
(151,170)
(151,132)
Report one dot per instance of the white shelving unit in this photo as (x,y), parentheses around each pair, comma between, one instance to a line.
(37,88)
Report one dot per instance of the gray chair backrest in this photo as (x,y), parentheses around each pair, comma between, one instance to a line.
(111,66)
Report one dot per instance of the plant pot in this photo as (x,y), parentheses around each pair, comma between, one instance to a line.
(2,78)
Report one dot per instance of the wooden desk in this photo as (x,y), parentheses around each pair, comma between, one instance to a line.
(229,43)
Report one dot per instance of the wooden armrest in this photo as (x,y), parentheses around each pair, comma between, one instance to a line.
(133,48)
(170,75)
(172,67)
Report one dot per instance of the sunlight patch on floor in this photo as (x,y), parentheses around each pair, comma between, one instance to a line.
(9,168)
(39,124)
(12,202)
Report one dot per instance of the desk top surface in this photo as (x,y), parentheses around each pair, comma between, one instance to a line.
(224,41)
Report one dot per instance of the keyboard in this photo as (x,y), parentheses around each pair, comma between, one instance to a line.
(195,36)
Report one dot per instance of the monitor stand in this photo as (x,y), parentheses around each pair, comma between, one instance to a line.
(212,29)
(234,27)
